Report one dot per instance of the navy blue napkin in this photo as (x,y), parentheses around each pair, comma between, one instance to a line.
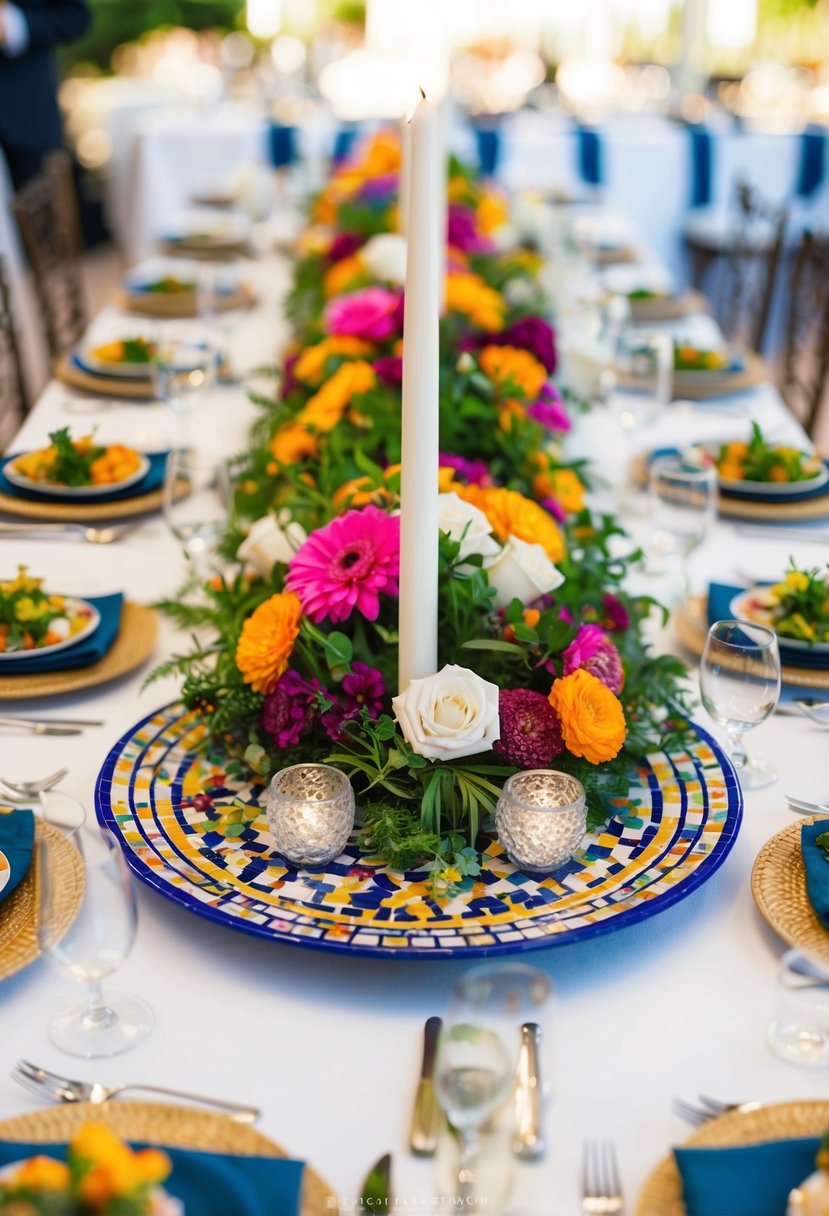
(720,596)
(753,1180)
(488,145)
(208,1184)
(812,167)
(758,495)
(90,650)
(17,838)
(282,145)
(816,864)
(344,142)
(702,164)
(153,479)
(590,156)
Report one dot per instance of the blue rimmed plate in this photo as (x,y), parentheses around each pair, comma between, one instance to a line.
(193,831)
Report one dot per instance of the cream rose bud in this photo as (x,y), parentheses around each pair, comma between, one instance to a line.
(522,571)
(451,714)
(466,524)
(271,539)
(384,257)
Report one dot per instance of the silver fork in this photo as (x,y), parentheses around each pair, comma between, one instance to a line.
(805,807)
(709,1109)
(601,1188)
(814,711)
(17,791)
(94,536)
(62,1089)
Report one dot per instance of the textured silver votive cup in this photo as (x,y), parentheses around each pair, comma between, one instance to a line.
(310,809)
(541,818)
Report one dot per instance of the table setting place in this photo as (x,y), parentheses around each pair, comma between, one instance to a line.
(341,717)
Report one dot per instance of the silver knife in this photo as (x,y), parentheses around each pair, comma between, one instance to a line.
(31,723)
(528,1141)
(423,1134)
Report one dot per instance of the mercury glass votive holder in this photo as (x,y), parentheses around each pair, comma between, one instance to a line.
(541,818)
(310,809)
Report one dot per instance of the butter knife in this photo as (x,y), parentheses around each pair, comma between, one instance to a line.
(528,1141)
(423,1134)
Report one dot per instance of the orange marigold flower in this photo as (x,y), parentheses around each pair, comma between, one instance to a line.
(491,213)
(592,718)
(310,365)
(267,641)
(564,485)
(512,514)
(510,368)
(382,155)
(511,411)
(325,409)
(470,295)
(293,444)
(342,275)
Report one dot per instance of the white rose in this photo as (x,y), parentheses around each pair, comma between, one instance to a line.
(522,571)
(468,525)
(384,257)
(271,539)
(453,713)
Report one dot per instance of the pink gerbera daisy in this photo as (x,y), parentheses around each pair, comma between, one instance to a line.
(348,564)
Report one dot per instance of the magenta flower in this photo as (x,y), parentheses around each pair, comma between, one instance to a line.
(348,564)
(288,381)
(533,334)
(555,508)
(364,688)
(378,189)
(373,314)
(462,231)
(289,710)
(549,409)
(606,665)
(473,472)
(389,369)
(344,244)
(530,729)
(584,646)
(617,617)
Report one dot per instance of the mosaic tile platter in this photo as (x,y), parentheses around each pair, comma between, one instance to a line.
(193,830)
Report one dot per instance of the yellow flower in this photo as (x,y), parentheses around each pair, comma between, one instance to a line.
(42,1174)
(27,610)
(511,514)
(564,485)
(23,582)
(470,295)
(310,365)
(341,276)
(293,444)
(592,718)
(510,368)
(325,409)
(796,581)
(450,874)
(267,641)
(491,213)
(361,491)
(511,411)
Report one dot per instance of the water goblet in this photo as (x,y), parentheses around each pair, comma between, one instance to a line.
(197,504)
(683,509)
(92,945)
(739,680)
(799,1031)
(183,365)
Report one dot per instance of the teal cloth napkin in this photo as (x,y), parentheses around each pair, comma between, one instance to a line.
(17,838)
(817,869)
(87,652)
(720,596)
(754,1180)
(153,479)
(759,495)
(208,1184)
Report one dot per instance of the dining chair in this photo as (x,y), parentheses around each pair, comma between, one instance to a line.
(46,211)
(750,250)
(805,379)
(14,401)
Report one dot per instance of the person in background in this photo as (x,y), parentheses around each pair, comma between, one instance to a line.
(30,123)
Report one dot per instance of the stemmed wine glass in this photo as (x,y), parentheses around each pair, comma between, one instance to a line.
(739,680)
(92,945)
(683,508)
(183,365)
(197,500)
(480,1062)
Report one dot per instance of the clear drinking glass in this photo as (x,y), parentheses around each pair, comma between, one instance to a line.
(92,945)
(183,366)
(739,679)
(683,509)
(481,1060)
(197,501)
(799,1031)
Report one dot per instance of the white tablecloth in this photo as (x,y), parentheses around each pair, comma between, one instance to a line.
(30,338)
(329,1047)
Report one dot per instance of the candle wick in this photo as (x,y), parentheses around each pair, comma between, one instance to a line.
(422,94)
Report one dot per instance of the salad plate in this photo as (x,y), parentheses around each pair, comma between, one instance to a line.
(5,870)
(758,604)
(65,622)
(756,466)
(95,470)
(129,357)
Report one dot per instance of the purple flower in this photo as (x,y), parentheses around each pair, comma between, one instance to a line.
(389,370)
(555,508)
(606,665)
(364,688)
(462,231)
(533,334)
(289,710)
(549,409)
(378,188)
(343,245)
(288,381)
(530,729)
(584,646)
(473,472)
(616,615)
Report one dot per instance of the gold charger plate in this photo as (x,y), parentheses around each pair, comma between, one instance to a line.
(743,508)
(210,251)
(689,387)
(666,308)
(662,1193)
(691,625)
(19,913)
(81,512)
(166,1126)
(183,304)
(613,257)
(135,643)
(106,386)
(778,884)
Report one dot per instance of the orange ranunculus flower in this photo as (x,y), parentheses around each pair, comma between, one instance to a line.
(382,155)
(42,1174)
(360,491)
(470,295)
(446,479)
(509,368)
(327,406)
(510,412)
(293,444)
(342,275)
(512,514)
(310,365)
(267,641)
(564,485)
(491,213)
(325,209)
(592,719)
